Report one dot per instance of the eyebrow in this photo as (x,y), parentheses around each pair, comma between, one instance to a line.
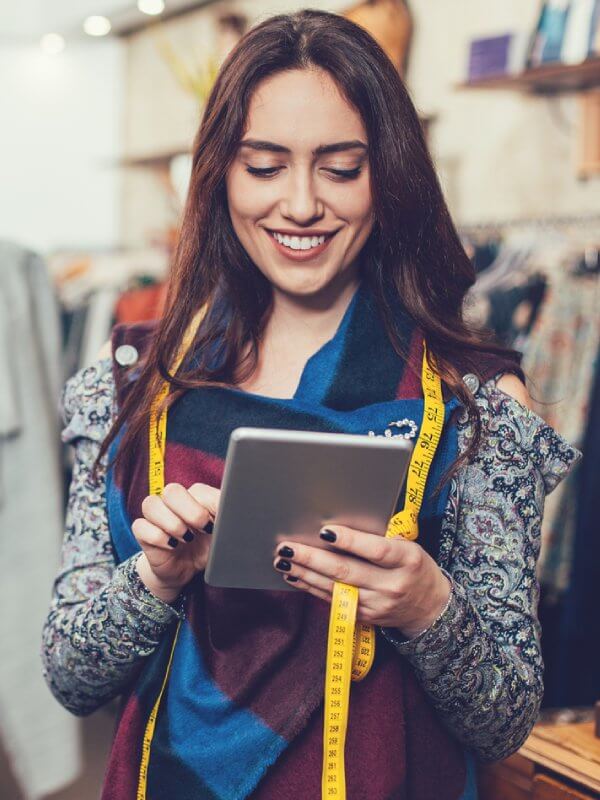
(336,147)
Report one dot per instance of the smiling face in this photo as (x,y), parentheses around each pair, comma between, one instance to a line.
(298,189)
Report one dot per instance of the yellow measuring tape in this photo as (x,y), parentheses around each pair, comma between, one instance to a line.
(157,433)
(151,724)
(350,648)
(157,429)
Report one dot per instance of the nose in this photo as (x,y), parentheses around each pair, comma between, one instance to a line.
(301,203)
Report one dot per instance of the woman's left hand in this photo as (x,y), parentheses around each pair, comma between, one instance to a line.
(399,584)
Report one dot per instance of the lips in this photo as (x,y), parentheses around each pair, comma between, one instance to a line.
(301,255)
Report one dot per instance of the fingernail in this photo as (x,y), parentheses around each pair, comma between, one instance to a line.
(328,535)
(284,565)
(208,528)
(172,541)
(291,578)
(285,551)
(188,536)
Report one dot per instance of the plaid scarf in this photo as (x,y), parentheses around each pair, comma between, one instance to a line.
(248,668)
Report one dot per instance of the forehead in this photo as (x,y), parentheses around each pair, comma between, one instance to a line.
(302,109)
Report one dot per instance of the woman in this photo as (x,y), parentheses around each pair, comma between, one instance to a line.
(316,234)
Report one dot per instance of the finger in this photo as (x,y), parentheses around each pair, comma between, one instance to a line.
(156,512)
(307,576)
(307,587)
(334,566)
(380,550)
(312,583)
(371,605)
(184,505)
(207,496)
(367,598)
(367,615)
(150,535)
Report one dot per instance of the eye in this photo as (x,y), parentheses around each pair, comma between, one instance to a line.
(346,173)
(269,172)
(264,172)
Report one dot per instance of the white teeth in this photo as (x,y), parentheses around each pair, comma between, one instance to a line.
(299,242)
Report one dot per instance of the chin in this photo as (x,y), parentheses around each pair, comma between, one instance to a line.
(304,286)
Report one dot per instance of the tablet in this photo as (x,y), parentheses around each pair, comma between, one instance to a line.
(287,484)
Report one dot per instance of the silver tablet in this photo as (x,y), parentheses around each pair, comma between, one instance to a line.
(285,484)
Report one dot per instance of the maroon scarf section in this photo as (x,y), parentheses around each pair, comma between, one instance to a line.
(395,745)
(267,652)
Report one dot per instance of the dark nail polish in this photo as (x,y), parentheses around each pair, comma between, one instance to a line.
(328,535)
(285,551)
(172,541)
(291,578)
(188,536)
(208,528)
(284,565)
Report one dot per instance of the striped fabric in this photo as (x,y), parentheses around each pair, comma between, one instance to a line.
(248,668)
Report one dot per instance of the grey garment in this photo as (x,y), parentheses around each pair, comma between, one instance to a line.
(99,322)
(479,662)
(42,741)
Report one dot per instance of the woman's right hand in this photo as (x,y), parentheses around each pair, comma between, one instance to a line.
(175,548)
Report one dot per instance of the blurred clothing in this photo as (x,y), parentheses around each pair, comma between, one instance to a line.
(578,673)
(41,740)
(143,304)
(560,360)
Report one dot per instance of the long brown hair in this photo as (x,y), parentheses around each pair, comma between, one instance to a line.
(413,256)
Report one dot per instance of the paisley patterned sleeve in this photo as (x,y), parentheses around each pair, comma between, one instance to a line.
(480,661)
(102,620)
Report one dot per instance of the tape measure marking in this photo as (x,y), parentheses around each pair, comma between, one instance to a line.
(357,659)
(151,724)
(338,677)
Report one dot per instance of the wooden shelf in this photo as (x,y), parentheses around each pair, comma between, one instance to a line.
(571,751)
(546,79)
(557,762)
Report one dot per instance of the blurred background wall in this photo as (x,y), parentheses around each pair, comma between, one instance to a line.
(499,153)
(62,124)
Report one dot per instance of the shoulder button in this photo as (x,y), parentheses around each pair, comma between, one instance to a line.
(126,355)
(472,382)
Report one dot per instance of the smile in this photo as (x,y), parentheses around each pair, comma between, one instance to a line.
(300,248)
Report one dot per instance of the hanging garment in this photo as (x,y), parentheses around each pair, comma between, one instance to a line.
(512,310)
(40,738)
(578,669)
(231,707)
(560,360)
(99,321)
(140,305)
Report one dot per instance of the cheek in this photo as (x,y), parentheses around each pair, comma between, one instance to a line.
(355,204)
(248,199)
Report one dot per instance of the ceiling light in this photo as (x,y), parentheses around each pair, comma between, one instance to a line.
(151,7)
(52,44)
(97,26)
